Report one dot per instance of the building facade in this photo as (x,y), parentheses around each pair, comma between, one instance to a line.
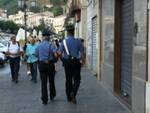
(83,29)
(58,23)
(118,48)
(93,34)
(75,16)
(124,46)
(33,19)
(3,14)
(17,18)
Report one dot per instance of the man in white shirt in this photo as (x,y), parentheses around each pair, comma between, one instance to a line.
(14,51)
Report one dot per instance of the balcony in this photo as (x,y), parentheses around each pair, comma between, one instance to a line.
(73,6)
(73,12)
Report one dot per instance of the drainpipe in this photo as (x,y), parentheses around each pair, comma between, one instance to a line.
(147,97)
(148,41)
(100,40)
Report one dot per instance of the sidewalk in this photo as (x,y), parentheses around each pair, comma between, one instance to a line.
(24,97)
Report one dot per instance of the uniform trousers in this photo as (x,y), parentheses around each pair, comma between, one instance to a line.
(72,72)
(47,74)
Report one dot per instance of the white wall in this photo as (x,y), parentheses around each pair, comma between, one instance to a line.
(92,11)
(107,72)
(89,33)
(148,97)
(139,57)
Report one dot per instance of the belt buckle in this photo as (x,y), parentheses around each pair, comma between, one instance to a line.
(47,62)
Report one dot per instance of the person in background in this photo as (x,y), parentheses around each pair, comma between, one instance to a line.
(26,57)
(46,53)
(14,51)
(84,51)
(32,59)
(38,41)
(55,43)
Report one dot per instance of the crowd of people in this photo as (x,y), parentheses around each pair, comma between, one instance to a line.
(43,55)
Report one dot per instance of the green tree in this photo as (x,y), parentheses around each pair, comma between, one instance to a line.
(57,11)
(12,26)
(9,26)
(41,27)
(9,5)
(58,2)
(35,9)
(2,25)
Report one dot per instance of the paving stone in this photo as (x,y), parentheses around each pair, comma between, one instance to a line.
(24,97)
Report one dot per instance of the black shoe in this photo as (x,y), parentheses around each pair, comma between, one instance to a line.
(52,97)
(74,101)
(69,99)
(13,80)
(35,81)
(44,103)
(16,81)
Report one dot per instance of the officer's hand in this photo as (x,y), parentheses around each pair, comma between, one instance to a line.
(59,54)
(56,55)
(7,53)
(81,62)
(13,54)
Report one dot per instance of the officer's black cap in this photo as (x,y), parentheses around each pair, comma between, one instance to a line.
(70,27)
(46,33)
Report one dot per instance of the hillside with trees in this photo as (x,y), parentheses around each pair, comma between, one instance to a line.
(58,2)
(12,7)
(58,6)
(9,5)
(9,26)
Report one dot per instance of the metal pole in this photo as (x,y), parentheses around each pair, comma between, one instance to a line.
(25,19)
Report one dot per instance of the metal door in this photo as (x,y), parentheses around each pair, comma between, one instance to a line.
(94,52)
(126,47)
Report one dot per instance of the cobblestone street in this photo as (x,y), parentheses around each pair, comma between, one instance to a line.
(24,97)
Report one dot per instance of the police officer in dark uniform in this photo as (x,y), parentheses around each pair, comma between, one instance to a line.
(72,63)
(46,53)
